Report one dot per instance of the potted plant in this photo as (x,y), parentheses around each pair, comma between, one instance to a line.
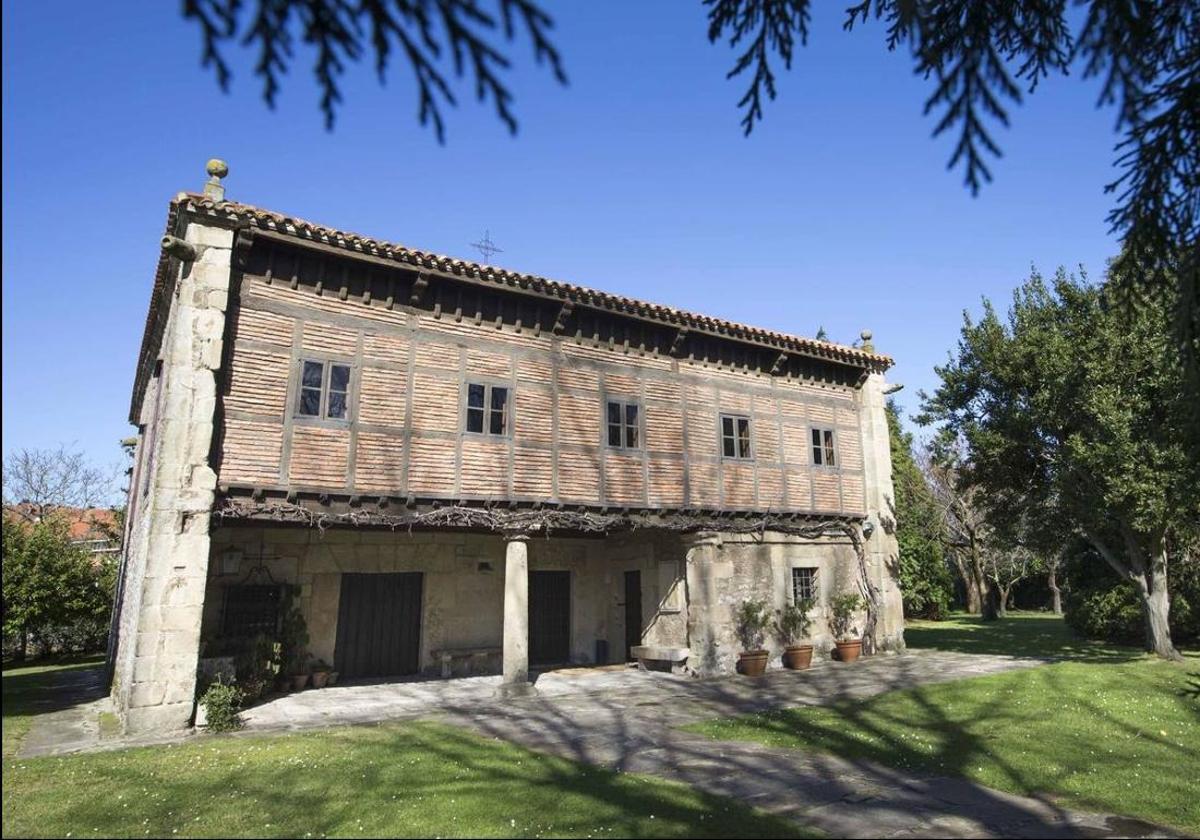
(753,617)
(320,673)
(842,610)
(293,638)
(792,626)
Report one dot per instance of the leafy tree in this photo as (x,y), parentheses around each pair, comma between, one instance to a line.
(56,594)
(981,58)
(1073,414)
(924,576)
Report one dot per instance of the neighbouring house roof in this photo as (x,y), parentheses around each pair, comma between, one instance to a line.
(237,215)
(84,525)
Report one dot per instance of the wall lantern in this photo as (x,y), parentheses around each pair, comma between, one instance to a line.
(868,528)
(231,561)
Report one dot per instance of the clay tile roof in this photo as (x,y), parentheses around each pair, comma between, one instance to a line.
(238,214)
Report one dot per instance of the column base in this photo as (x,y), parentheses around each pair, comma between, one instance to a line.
(514,690)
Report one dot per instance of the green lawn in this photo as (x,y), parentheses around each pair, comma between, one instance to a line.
(413,780)
(1107,729)
(29,689)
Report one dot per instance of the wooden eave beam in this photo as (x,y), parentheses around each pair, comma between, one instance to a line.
(537,290)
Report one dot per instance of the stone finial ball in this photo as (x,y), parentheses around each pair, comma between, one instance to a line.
(866,335)
(217,168)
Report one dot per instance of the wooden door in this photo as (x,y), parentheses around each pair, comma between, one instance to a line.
(379,625)
(549,618)
(633,612)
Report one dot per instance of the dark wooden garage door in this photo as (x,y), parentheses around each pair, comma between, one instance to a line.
(379,625)
(549,618)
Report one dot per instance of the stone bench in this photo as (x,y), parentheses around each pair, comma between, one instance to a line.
(662,658)
(447,657)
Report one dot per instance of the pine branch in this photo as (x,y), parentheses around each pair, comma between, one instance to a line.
(773,26)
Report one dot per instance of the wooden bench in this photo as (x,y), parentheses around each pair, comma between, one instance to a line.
(446,656)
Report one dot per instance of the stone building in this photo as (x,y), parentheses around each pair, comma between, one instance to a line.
(465,469)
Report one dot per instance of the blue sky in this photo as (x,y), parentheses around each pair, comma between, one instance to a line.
(635,178)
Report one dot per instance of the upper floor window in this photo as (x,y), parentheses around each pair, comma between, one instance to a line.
(487,409)
(823,450)
(735,436)
(324,390)
(804,584)
(623,424)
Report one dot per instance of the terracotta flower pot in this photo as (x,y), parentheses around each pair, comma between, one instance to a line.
(333,675)
(299,681)
(320,679)
(849,651)
(753,663)
(797,657)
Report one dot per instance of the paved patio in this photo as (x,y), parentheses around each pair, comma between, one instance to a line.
(629,720)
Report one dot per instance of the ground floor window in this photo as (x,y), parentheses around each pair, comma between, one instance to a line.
(251,610)
(804,584)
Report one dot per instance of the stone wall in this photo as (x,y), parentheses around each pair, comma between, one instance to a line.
(166,565)
(462,601)
(723,570)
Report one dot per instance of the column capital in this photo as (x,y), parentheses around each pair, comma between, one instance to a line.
(516,536)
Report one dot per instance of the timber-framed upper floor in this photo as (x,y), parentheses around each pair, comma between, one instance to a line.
(354,368)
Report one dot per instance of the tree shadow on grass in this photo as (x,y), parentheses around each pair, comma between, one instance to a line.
(857,782)
(38,692)
(397,780)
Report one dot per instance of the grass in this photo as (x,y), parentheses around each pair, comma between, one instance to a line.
(31,689)
(412,780)
(1105,729)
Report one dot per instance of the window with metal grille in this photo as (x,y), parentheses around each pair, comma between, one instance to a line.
(804,584)
(735,436)
(324,390)
(487,409)
(623,424)
(822,447)
(251,610)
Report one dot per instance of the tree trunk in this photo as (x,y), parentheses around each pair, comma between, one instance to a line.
(1149,580)
(1002,602)
(970,585)
(1156,610)
(1055,592)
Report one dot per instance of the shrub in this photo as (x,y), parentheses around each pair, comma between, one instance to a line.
(1100,605)
(752,619)
(794,621)
(843,609)
(222,702)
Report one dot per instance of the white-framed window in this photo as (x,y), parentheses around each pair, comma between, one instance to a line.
(487,409)
(823,449)
(735,436)
(623,419)
(324,390)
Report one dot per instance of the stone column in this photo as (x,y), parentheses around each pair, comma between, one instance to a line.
(516,618)
(883,551)
(705,614)
(167,550)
